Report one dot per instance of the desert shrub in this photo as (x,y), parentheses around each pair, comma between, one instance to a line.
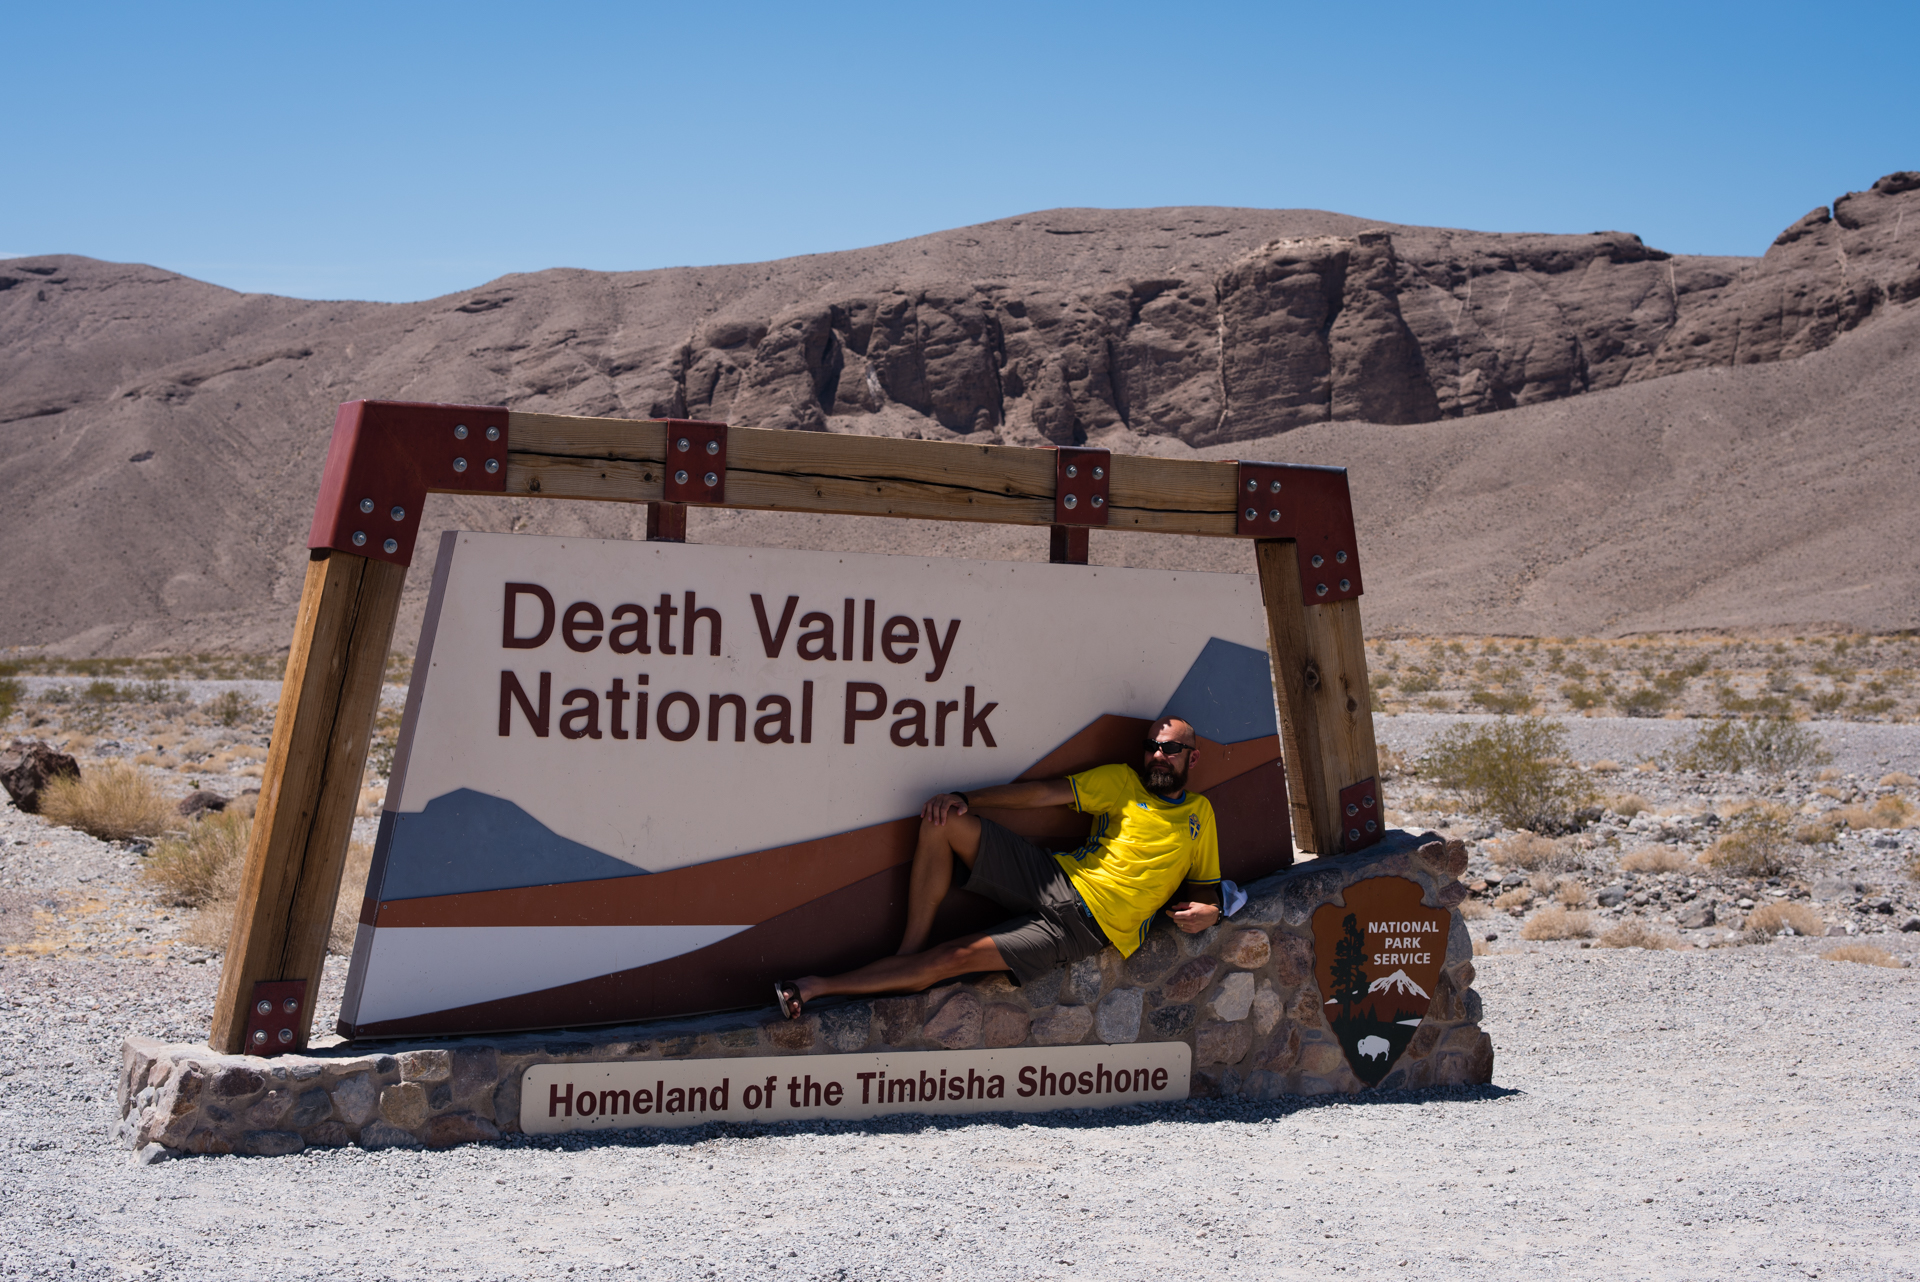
(231,708)
(353,889)
(1768,744)
(1756,844)
(1625,804)
(1542,884)
(1557,923)
(1606,766)
(1864,954)
(112,802)
(1505,702)
(1634,933)
(203,865)
(1898,779)
(1655,859)
(1512,769)
(1572,894)
(1799,918)
(1515,900)
(1526,851)
(1579,697)
(1474,910)
(386,739)
(1393,765)
(1645,702)
(1816,833)
(10,693)
(1888,812)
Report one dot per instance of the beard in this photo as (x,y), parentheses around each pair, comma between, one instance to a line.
(1161,776)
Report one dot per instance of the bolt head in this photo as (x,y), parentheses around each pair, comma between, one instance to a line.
(1372,826)
(392,546)
(1352,809)
(680,477)
(1353,834)
(1072,471)
(711,479)
(1318,560)
(286,1036)
(1070,502)
(359,538)
(1341,557)
(713,447)
(1274,515)
(1252,486)
(493,434)
(1367,801)
(493,465)
(683,445)
(1252,515)
(460,432)
(1099,473)
(264,1006)
(290,1005)
(1319,589)
(459,465)
(398,513)
(1098,501)
(1346,585)
(259,1037)
(366,505)
(1274,488)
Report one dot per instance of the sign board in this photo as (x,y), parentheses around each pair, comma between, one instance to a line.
(605,1097)
(1378,957)
(648,779)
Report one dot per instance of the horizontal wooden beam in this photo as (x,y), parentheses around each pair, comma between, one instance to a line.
(622,461)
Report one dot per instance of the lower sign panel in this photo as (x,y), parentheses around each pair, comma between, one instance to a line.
(607,1097)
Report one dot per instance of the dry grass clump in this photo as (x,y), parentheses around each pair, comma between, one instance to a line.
(1755,845)
(1655,859)
(1573,894)
(1802,920)
(1816,832)
(1557,923)
(1625,804)
(1634,933)
(353,889)
(221,854)
(203,865)
(112,802)
(1865,954)
(1515,900)
(1526,851)
(1766,744)
(1899,779)
(1888,812)
(1474,910)
(1606,767)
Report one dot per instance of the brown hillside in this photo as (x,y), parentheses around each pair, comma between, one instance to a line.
(1548,433)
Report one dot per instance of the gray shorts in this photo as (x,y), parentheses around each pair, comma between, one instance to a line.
(1053,929)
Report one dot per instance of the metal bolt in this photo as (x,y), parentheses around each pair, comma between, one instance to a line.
(359,538)
(1252,486)
(680,477)
(291,1005)
(1274,515)
(264,1006)
(1070,502)
(398,513)
(1372,826)
(1252,515)
(259,1037)
(493,465)
(713,447)
(1346,585)
(1352,809)
(1341,557)
(1367,801)
(1319,589)
(392,546)
(366,505)
(1072,471)
(1098,501)
(460,432)
(1353,834)
(1099,473)
(712,479)
(683,445)
(1274,488)
(459,465)
(493,434)
(1318,560)
(286,1035)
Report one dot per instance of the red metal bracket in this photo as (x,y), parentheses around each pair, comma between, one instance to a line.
(1081,475)
(386,457)
(696,466)
(1361,818)
(1067,544)
(273,1019)
(1312,506)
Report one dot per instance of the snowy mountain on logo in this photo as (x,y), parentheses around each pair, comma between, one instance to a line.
(1398,984)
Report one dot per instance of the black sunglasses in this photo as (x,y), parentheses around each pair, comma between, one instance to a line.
(1170,748)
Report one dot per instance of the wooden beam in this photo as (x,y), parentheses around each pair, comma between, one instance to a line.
(311,787)
(622,461)
(1320,686)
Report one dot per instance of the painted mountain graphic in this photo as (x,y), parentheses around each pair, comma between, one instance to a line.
(1398,982)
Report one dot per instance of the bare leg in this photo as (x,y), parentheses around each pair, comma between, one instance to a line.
(910,974)
(932,876)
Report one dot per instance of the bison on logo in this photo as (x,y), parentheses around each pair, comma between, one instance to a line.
(1378,959)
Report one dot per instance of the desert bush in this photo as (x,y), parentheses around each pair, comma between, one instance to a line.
(10,694)
(1557,923)
(231,708)
(1515,900)
(1542,884)
(1634,933)
(1625,804)
(1888,812)
(1645,702)
(1864,954)
(1526,851)
(1572,894)
(203,865)
(1898,779)
(353,889)
(1393,765)
(1655,859)
(1756,844)
(1474,910)
(112,802)
(1606,766)
(1511,768)
(1507,703)
(1767,744)
(1800,918)
(1816,833)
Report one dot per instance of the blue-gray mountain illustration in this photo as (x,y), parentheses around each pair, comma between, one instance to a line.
(1227,695)
(466,841)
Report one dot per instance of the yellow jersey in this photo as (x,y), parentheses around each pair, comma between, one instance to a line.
(1141,848)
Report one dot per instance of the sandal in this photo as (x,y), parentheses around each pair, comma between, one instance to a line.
(786,995)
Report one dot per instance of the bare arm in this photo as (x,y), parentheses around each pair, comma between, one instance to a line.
(1034,794)
(1194,907)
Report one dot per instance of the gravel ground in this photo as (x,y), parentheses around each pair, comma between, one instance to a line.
(1703,1113)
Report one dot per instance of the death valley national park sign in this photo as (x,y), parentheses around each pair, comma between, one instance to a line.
(1378,961)
(647,779)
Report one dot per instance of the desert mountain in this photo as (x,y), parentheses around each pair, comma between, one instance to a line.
(1546,433)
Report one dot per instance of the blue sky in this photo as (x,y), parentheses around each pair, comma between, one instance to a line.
(401,151)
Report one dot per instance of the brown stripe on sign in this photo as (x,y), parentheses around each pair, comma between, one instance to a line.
(833,933)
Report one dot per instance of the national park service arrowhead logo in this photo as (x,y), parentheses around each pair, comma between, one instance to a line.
(1378,961)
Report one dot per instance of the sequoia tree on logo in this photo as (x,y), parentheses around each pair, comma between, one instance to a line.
(1378,958)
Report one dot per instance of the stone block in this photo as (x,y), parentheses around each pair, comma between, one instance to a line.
(670,1047)
(475,1071)
(1471,1006)
(1062,1025)
(1154,958)
(1408,1075)
(1445,859)
(404,1104)
(847,1028)
(207,1141)
(310,1108)
(1189,979)
(1218,1043)
(1233,1000)
(386,1135)
(1446,1005)
(958,1023)
(1450,894)
(1425,1038)
(1086,979)
(1282,1050)
(449,1129)
(1263,1085)
(354,1099)
(1005,1025)
(266,1112)
(1304,892)
(1171,1021)
(272,1143)
(425,1066)
(1320,1057)
(1117,1019)
(151,1153)
(1267,1007)
(740,1039)
(1247,949)
(440,1097)
(235,1083)
(901,1017)
(1292,961)
(157,1075)
(1307,1007)
(1200,942)
(1044,990)
(506,1103)
(328,1135)
(792,1034)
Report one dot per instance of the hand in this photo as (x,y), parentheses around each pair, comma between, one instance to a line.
(1193,918)
(942,808)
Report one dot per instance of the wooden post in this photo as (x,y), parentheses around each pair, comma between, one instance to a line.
(311,786)
(1320,685)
